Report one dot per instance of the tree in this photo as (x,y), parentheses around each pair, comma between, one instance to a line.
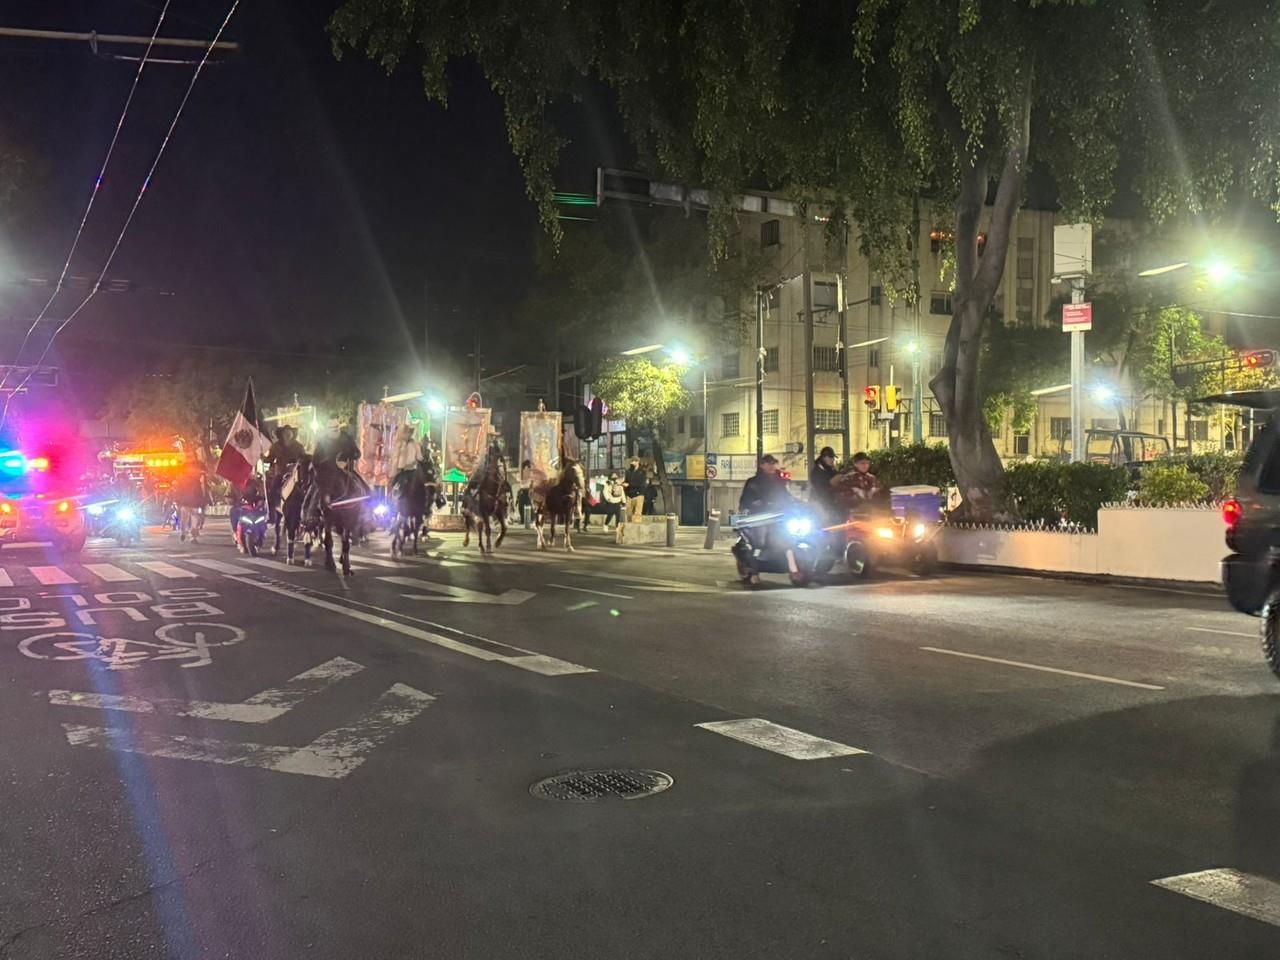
(871,105)
(645,395)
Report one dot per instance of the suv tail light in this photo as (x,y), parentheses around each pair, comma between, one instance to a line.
(1231,513)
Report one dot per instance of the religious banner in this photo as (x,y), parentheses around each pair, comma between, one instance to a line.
(466,438)
(538,443)
(377,424)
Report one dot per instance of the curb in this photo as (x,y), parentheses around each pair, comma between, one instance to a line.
(1183,586)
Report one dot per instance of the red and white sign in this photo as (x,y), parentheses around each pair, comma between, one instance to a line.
(1077,316)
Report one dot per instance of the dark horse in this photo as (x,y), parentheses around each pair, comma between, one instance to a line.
(414,499)
(560,499)
(487,498)
(286,510)
(337,501)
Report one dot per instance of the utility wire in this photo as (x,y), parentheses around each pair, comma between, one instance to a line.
(4,413)
(97,185)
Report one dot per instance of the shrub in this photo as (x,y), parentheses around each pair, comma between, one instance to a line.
(913,463)
(1047,491)
(1168,483)
(1217,470)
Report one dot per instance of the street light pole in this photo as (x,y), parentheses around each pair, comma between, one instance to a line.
(706,447)
(760,355)
(1077,379)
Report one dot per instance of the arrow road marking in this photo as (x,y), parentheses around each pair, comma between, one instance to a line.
(334,754)
(260,708)
(452,594)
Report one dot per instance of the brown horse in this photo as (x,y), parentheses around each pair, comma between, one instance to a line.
(561,499)
(487,497)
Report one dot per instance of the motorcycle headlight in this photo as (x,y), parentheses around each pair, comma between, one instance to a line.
(884,533)
(380,510)
(799,526)
(918,531)
(95,509)
(126,513)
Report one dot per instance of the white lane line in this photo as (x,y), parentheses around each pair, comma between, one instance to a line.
(5,579)
(52,576)
(779,739)
(260,708)
(278,566)
(1243,893)
(376,561)
(528,660)
(166,570)
(334,754)
(598,593)
(218,566)
(1225,633)
(1043,669)
(109,572)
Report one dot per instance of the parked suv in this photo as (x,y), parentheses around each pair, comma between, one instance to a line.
(1251,573)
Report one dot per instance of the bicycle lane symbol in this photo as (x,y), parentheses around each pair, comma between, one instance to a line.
(190,641)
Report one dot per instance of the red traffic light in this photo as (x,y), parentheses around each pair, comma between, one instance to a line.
(1259,358)
(871,397)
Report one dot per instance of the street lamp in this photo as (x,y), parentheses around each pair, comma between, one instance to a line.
(682,358)
(1102,393)
(917,393)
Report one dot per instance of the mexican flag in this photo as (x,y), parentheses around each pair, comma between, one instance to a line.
(245,443)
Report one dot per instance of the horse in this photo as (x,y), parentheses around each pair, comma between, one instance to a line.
(413,500)
(487,498)
(561,499)
(287,509)
(337,501)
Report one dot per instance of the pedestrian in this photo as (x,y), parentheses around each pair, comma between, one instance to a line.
(526,484)
(611,501)
(650,494)
(191,493)
(634,482)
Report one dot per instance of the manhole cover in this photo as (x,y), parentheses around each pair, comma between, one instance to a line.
(588,786)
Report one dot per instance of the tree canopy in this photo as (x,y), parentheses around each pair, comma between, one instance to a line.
(875,103)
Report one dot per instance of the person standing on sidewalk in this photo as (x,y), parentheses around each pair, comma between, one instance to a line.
(634,482)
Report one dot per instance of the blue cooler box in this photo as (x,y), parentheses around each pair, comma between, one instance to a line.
(920,501)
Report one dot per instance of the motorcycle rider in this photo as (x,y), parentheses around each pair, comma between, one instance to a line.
(858,484)
(764,493)
(821,473)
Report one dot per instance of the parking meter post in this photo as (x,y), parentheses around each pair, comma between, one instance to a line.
(713,530)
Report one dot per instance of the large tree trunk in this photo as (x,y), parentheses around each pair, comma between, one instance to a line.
(957,385)
(660,468)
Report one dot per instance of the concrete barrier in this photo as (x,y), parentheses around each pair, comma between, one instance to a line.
(1149,543)
(649,530)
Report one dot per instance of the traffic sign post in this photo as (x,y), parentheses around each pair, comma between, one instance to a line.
(1077,317)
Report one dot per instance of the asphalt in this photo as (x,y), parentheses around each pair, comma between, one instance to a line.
(1033,754)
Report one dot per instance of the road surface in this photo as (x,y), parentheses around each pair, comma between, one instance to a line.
(209,756)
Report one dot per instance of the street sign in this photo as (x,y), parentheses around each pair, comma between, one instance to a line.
(794,448)
(1077,316)
(711,471)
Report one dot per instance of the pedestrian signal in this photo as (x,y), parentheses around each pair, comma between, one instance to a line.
(891,397)
(871,397)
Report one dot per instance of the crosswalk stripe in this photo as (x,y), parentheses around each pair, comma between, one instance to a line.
(278,566)
(5,579)
(779,739)
(218,566)
(167,570)
(109,572)
(1244,893)
(52,576)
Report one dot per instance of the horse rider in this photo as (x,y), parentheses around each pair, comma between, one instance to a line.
(284,452)
(335,453)
(405,458)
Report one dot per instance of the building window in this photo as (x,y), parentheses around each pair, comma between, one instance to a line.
(697,429)
(1059,428)
(729,366)
(1200,430)
(825,295)
(1023,305)
(680,425)
(771,423)
(1104,423)
(1022,444)
(827,421)
(774,298)
(1026,258)
(940,303)
(873,357)
(771,233)
(875,296)
(729,424)
(770,359)
(937,425)
(826,358)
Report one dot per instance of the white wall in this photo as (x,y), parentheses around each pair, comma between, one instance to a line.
(1173,543)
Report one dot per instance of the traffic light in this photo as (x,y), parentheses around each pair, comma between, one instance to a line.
(871,397)
(1255,359)
(596,421)
(891,397)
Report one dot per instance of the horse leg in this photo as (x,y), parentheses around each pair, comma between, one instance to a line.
(466,537)
(568,541)
(346,552)
(502,529)
(328,547)
(417,528)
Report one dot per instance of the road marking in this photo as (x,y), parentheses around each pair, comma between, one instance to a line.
(598,593)
(260,708)
(376,561)
(109,572)
(278,566)
(455,594)
(1243,893)
(1225,633)
(334,754)
(779,739)
(5,579)
(651,584)
(537,663)
(166,570)
(52,576)
(219,566)
(1043,669)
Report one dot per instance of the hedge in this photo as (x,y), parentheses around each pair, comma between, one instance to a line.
(1047,491)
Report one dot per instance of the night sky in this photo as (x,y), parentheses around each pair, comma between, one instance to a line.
(302,205)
